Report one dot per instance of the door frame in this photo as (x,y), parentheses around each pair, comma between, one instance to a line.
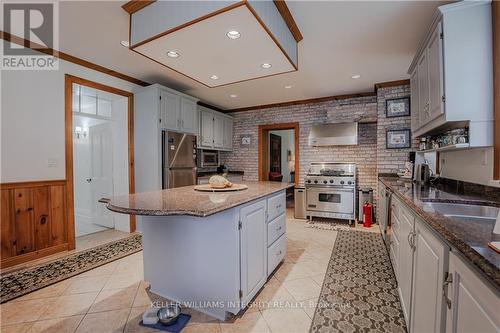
(68,142)
(263,139)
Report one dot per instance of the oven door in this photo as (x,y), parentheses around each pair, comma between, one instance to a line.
(329,199)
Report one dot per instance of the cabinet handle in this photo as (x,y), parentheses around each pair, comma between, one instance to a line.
(448,279)
(279,253)
(278,229)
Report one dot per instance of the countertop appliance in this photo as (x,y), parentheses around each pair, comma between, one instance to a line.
(178,159)
(330,190)
(300,202)
(208,158)
(422,173)
(334,134)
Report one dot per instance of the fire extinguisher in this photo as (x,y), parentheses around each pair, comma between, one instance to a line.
(367,215)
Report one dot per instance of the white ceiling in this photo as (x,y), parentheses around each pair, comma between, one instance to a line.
(376,39)
(205,49)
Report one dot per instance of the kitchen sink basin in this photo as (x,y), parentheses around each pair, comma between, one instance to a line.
(462,211)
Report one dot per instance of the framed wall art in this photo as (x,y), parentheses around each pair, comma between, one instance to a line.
(398,139)
(397,107)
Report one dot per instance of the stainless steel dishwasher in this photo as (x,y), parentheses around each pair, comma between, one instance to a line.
(300,202)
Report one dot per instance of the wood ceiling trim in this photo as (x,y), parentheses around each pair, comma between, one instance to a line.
(389,84)
(67,57)
(288,18)
(199,19)
(495,7)
(136,5)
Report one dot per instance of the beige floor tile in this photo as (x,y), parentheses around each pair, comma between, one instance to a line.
(287,320)
(104,270)
(143,297)
(309,306)
(24,311)
(273,295)
(80,285)
(290,271)
(114,299)
(198,317)
(319,279)
(133,320)
(302,289)
(54,290)
(203,328)
(16,328)
(59,325)
(250,322)
(312,267)
(104,322)
(298,255)
(121,281)
(69,305)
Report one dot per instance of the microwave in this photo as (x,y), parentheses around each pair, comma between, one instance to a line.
(208,158)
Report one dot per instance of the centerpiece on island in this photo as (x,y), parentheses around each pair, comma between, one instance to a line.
(219,183)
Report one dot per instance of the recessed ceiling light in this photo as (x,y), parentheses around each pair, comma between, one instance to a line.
(288,87)
(125,43)
(266,65)
(233,95)
(233,34)
(214,77)
(173,54)
(356,76)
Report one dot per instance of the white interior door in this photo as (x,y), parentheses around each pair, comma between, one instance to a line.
(101,156)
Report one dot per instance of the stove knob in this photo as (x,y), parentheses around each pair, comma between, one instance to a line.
(315,182)
(325,182)
(349,182)
(341,182)
(309,181)
(331,181)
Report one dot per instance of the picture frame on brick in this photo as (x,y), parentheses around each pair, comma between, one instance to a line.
(398,139)
(397,107)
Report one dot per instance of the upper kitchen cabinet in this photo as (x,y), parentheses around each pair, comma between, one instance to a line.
(175,111)
(451,75)
(216,130)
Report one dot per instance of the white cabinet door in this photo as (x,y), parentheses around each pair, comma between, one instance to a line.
(228,133)
(414,107)
(169,110)
(405,264)
(428,308)
(435,64)
(253,249)
(423,89)
(474,305)
(206,129)
(189,116)
(218,131)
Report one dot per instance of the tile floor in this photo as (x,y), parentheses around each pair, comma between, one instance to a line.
(111,298)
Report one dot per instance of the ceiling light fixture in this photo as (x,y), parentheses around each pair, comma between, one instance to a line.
(233,34)
(233,95)
(214,77)
(288,87)
(356,76)
(173,54)
(125,43)
(266,65)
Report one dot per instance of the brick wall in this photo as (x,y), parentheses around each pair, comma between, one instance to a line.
(369,155)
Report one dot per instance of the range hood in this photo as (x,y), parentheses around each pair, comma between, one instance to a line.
(334,134)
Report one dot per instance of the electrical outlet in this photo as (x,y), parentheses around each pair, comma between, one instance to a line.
(52,162)
(484,158)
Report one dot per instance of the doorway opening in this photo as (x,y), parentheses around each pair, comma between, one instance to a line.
(279,154)
(99,160)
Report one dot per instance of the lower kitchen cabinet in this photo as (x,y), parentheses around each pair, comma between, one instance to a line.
(474,305)
(253,249)
(429,263)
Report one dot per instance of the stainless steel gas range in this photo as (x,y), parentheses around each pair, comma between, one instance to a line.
(331,190)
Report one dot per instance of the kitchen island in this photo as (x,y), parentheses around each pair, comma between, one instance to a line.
(210,251)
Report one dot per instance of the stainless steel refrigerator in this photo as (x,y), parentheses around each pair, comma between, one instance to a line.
(178,159)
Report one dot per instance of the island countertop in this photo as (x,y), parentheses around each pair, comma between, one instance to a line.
(187,201)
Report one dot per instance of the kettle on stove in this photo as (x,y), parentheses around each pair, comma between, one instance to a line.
(422,173)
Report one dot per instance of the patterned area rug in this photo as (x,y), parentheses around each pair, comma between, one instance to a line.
(30,279)
(359,293)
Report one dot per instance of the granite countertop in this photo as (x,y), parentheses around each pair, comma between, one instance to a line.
(470,238)
(187,201)
(211,173)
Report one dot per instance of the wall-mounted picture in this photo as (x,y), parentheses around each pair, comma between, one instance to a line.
(397,107)
(397,139)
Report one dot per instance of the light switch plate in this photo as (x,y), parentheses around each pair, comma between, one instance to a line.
(52,162)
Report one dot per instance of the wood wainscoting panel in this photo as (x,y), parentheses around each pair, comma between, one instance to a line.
(33,222)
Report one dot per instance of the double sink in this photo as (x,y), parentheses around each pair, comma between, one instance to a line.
(464,212)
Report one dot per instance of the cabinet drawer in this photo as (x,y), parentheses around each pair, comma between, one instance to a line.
(275,206)
(275,254)
(275,229)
